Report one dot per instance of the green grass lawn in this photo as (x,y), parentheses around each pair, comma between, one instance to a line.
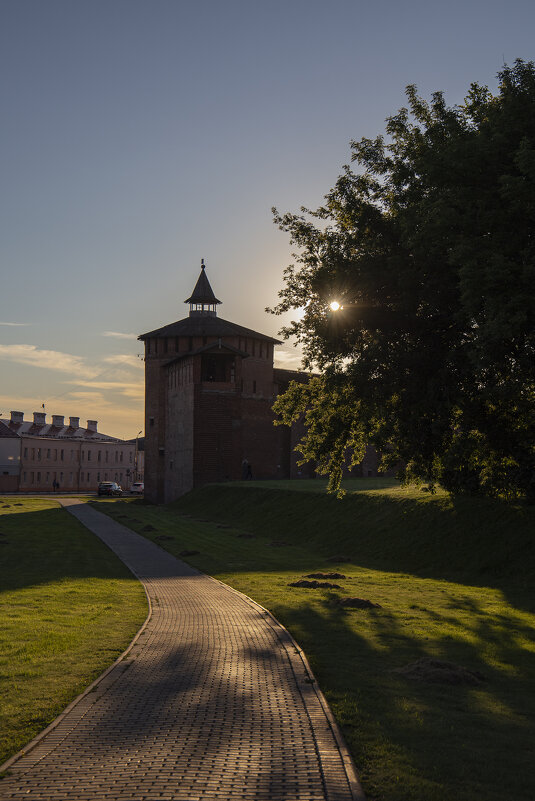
(68,608)
(454,579)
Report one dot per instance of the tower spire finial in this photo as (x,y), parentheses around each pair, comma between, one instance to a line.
(202,301)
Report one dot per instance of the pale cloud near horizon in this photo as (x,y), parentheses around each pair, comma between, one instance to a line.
(288,358)
(134,390)
(15,324)
(88,396)
(119,335)
(129,359)
(47,359)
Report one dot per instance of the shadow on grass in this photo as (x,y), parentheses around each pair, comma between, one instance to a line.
(478,541)
(38,547)
(441,739)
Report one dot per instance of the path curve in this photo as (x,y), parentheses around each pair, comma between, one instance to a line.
(212,701)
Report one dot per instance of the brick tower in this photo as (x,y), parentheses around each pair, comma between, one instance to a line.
(209,389)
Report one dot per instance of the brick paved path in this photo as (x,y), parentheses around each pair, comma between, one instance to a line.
(212,702)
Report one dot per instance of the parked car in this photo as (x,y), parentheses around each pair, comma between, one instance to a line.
(109,488)
(137,488)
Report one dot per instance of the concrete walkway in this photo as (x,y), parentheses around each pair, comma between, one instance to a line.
(213,701)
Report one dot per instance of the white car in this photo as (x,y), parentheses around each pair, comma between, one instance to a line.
(137,488)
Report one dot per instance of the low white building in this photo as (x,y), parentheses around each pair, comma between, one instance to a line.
(35,455)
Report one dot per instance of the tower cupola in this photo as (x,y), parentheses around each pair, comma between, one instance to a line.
(202,300)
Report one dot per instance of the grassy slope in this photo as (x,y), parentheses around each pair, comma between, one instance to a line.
(68,608)
(454,580)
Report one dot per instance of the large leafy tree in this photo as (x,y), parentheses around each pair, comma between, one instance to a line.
(429,248)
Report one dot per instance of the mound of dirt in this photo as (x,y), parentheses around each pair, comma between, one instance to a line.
(358,603)
(148,528)
(326,575)
(188,553)
(339,558)
(6,506)
(313,584)
(438,671)
(278,544)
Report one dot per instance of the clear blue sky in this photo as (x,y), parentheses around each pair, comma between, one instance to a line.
(141,136)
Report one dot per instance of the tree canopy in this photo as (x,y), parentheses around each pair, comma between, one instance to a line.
(429,248)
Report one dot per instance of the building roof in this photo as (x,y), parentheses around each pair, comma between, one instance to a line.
(49,431)
(6,432)
(203,292)
(217,346)
(282,376)
(206,326)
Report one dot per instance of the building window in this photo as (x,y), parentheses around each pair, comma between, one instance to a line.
(165,345)
(48,453)
(38,454)
(98,476)
(88,478)
(88,455)
(55,453)
(106,456)
(38,478)
(105,476)
(24,477)
(33,453)
(83,455)
(176,344)
(116,456)
(151,421)
(70,479)
(25,452)
(61,477)
(121,457)
(47,477)
(99,456)
(130,454)
(32,476)
(62,454)
(155,345)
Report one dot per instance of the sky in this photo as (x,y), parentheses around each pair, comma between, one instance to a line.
(139,136)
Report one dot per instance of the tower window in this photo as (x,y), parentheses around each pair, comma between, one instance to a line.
(217,368)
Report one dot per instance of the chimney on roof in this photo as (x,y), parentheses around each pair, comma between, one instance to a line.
(39,418)
(17,417)
(74,422)
(57,420)
(92,426)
